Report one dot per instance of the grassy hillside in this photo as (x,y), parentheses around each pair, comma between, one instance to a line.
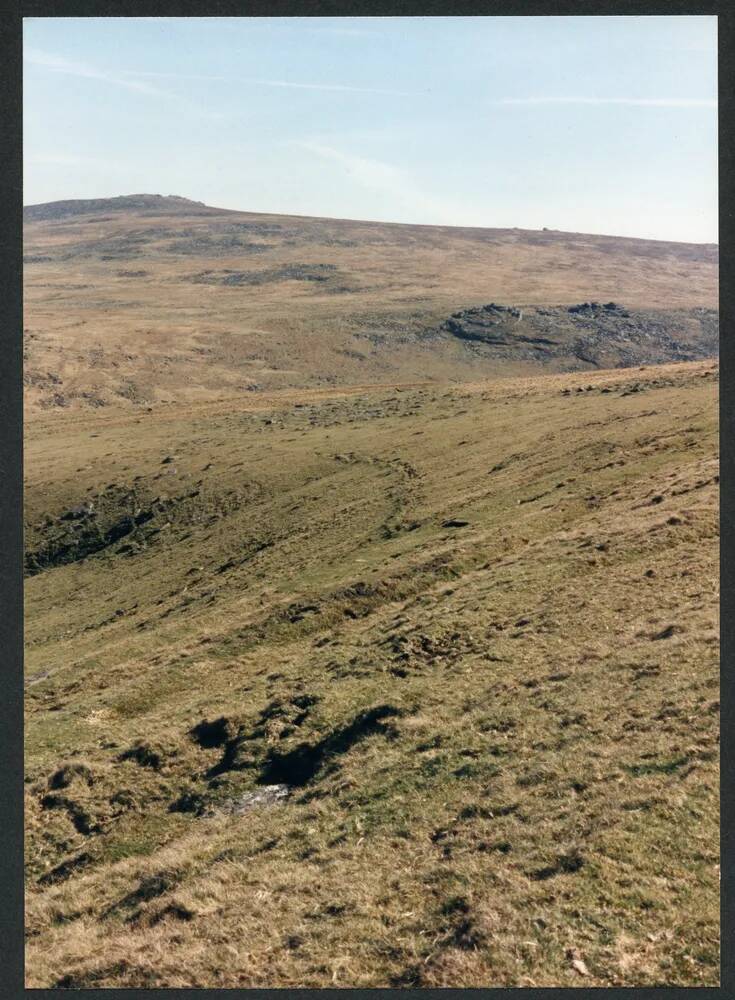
(139,300)
(397,686)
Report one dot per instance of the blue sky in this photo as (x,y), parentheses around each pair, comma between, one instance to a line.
(586,124)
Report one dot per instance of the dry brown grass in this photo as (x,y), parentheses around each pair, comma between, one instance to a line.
(114,317)
(541,808)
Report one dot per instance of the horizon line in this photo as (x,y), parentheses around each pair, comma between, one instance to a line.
(382,222)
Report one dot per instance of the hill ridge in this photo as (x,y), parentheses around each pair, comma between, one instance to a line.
(172,299)
(49,210)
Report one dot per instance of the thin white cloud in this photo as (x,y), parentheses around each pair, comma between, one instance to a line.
(372,173)
(388,180)
(295,84)
(332,86)
(135,79)
(643,102)
(172,76)
(130,81)
(59,64)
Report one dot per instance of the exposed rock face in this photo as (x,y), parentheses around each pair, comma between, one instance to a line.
(590,333)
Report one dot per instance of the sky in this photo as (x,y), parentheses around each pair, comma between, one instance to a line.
(582,124)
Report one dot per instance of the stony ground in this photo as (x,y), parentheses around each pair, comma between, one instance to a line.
(407,685)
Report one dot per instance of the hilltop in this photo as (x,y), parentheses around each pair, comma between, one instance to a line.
(145,299)
(156,203)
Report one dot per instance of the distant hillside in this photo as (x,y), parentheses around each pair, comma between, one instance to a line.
(146,298)
(122,203)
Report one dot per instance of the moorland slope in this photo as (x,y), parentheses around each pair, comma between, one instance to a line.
(144,299)
(340,672)
(394,687)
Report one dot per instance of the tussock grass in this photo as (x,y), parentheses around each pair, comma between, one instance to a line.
(500,736)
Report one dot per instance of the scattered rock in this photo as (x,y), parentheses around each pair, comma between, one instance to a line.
(268,795)
(577,962)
